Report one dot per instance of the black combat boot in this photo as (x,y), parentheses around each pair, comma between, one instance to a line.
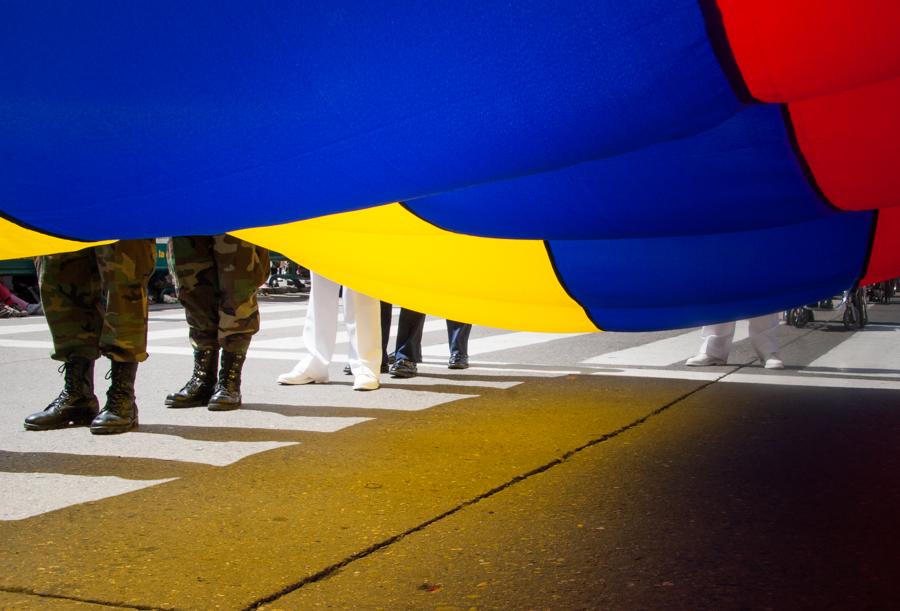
(120,414)
(200,387)
(75,405)
(227,395)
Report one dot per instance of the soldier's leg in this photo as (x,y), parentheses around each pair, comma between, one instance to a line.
(241,268)
(125,268)
(197,287)
(196,280)
(70,292)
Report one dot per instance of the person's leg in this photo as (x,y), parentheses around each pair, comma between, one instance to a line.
(240,267)
(362,317)
(196,285)
(319,333)
(715,346)
(125,268)
(70,290)
(387,311)
(762,337)
(458,338)
(408,350)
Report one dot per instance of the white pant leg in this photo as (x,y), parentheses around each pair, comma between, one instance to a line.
(762,334)
(717,339)
(320,327)
(362,315)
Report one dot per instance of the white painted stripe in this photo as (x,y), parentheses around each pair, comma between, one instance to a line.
(872,347)
(336,395)
(29,494)
(501,341)
(849,372)
(770,378)
(663,374)
(660,353)
(265,325)
(790,380)
(177,350)
(138,445)
(292,342)
(507,368)
(664,352)
(264,308)
(429,380)
(25,343)
(249,418)
(24,328)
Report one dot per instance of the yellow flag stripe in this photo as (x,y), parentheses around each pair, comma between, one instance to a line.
(389,253)
(18,242)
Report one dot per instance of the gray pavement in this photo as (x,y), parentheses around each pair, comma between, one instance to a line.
(558,472)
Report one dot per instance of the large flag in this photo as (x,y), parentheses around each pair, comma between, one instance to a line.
(539,165)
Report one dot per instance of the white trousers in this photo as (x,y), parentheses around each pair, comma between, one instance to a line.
(362,316)
(717,338)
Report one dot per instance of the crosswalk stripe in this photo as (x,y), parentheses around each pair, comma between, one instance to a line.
(138,445)
(872,347)
(30,494)
(663,352)
(502,341)
(741,377)
(822,382)
(265,325)
(387,398)
(295,342)
(19,329)
(177,314)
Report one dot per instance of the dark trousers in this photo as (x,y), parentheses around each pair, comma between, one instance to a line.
(409,334)
(458,337)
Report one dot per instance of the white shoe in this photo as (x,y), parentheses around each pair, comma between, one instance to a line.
(704,360)
(296,377)
(773,362)
(365,381)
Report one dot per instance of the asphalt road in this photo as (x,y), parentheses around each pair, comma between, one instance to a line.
(558,472)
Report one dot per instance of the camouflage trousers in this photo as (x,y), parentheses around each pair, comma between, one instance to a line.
(95,300)
(216,278)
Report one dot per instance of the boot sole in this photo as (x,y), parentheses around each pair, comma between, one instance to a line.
(180,404)
(113,430)
(56,427)
(223,407)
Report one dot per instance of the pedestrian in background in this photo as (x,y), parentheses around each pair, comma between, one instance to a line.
(717,340)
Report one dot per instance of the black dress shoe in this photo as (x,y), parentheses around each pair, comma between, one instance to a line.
(403,369)
(458,361)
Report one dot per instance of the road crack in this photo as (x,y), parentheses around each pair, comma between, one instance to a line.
(565,457)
